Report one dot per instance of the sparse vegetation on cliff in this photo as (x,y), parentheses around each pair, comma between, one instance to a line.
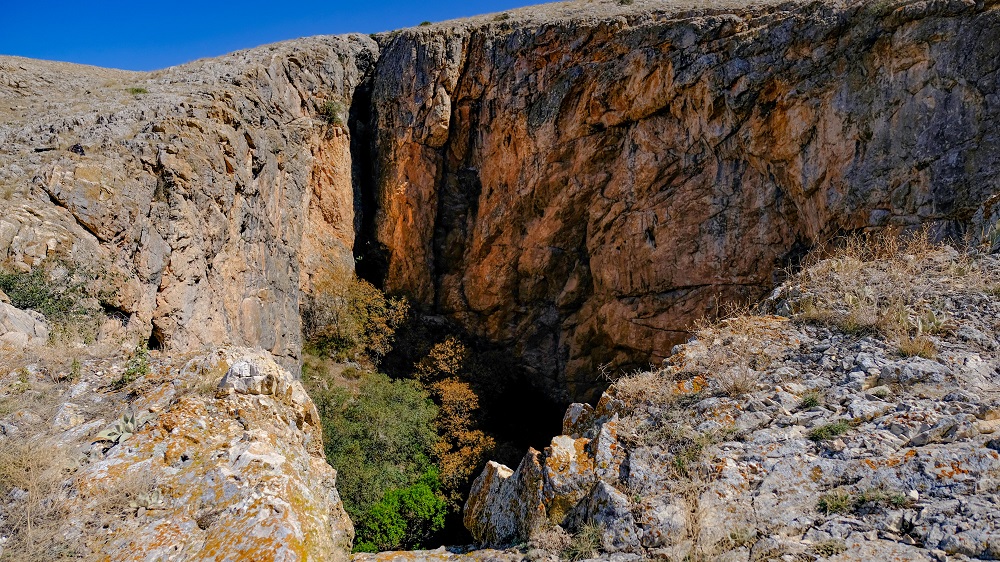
(58,291)
(332,111)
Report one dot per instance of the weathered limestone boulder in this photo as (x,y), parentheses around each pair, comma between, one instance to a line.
(21,328)
(194,466)
(583,180)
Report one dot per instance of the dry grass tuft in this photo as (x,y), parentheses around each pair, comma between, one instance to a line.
(733,352)
(34,476)
(880,283)
(919,346)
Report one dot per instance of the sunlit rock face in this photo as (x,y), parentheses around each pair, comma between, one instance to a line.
(203,197)
(582,185)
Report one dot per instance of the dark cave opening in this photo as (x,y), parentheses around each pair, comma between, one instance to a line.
(516,411)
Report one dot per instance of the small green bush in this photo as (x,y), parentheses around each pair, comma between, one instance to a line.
(63,293)
(137,366)
(137,91)
(829,431)
(404,517)
(837,501)
(830,547)
(425,23)
(841,501)
(332,112)
(810,400)
(56,299)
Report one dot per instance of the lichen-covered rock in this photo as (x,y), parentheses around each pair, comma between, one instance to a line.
(505,505)
(205,463)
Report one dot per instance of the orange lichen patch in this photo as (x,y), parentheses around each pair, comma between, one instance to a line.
(816,474)
(949,470)
(563,461)
(229,491)
(691,386)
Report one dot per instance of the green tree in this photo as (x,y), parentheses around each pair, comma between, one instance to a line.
(380,436)
(404,517)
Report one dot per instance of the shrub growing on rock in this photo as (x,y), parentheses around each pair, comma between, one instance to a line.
(348,318)
(66,294)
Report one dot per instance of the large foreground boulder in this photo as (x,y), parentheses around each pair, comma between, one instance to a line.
(216,457)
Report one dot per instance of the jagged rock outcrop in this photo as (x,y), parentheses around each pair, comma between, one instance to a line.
(583,180)
(204,195)
(811,438)
(216,457)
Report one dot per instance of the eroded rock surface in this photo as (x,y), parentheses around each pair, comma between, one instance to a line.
(204,195)
(581,183)
(209,470)
(835,445)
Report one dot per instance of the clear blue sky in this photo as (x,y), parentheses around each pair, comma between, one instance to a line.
(150,34)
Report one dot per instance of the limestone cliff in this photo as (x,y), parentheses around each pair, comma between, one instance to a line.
(199,194)
(581,182)
(576,182)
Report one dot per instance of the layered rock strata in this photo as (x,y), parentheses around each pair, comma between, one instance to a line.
(582,186)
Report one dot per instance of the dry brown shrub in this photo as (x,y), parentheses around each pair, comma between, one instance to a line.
(349,318)
(733,352)
(463,448)
(445,359)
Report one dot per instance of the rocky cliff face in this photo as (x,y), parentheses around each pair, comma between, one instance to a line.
(201,195)
(582,183)
(577,182)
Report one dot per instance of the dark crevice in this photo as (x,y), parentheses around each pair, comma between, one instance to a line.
(156,339)
(371,257)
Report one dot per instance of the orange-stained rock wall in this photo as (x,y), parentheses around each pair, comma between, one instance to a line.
(583,190)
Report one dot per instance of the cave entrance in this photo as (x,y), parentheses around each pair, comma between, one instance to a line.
(513,410)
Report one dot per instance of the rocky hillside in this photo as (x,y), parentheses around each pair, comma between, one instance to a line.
(188,191)
(863,427)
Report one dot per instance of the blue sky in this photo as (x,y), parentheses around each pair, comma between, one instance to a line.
(146,35)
